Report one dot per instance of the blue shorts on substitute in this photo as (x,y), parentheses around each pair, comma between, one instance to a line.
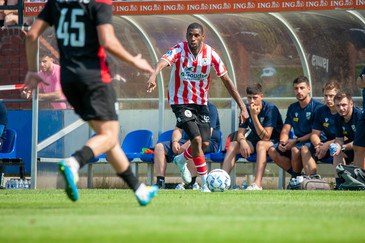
(212,148)
(313,152)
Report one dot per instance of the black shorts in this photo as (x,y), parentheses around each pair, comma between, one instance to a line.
(92,99)
(194,120)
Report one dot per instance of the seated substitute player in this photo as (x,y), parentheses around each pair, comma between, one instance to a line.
(86,82)
(345,124)
(299,117)
(192,61)
(323,131)
(265,123)
(166,151)
(359,140)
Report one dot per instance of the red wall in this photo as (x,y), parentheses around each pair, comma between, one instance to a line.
(13,63)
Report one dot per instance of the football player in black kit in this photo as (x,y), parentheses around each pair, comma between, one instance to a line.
(84,31)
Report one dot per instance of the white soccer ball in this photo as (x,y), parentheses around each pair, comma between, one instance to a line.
(218,180)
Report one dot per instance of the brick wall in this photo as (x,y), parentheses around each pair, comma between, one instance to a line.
(13,63)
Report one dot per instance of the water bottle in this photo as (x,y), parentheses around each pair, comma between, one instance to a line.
(333,148)
(16,184)
(7,185)
(21,184)
(12,184)
(244,185)
(26,185)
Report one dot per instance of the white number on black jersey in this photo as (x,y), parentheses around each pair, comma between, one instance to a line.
(73,39)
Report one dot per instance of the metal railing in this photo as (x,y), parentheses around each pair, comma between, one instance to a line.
(19,7)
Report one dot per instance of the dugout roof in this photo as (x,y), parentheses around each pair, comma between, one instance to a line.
(271,42)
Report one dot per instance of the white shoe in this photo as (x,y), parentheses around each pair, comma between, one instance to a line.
(196,186)
(74,166)
(180,186)
(184,171)
(144,193)
(253,187)
(205,188)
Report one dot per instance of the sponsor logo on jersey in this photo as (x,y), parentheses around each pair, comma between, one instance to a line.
(205,61)
(344,132)
(353,127)
(188,113)
(308,115)
(191,76)
(206,119)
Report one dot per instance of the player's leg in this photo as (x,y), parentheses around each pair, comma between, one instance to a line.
(160,164)
(338,159)
(108,130)
(359,159)
(230,157)
(309,164)
(282,159)
(296,160)
(262,148)
(191,167)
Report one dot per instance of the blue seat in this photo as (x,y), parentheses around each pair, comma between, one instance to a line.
(207,156)
(8,154)
(9,147)
(165,136)
(133,144)
(135,141)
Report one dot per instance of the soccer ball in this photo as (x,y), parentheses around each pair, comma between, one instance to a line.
(218,180)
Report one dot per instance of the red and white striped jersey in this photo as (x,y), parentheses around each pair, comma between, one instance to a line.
(190,75)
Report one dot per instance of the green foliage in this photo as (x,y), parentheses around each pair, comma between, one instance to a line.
(182,216)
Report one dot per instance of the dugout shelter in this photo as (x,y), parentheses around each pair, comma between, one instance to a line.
(270,42)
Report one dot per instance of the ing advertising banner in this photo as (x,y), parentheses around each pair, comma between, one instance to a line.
(216,6)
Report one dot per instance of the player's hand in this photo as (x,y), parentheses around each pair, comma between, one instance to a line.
(142,64)
(254,109)
(338,152)
(243,116)
(32,79)
(282,145)
(245,149)
(151,84)
(175,146)
(26,94)
(322,151)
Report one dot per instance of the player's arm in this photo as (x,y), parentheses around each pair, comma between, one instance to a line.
(339,141)
(284,134)
(111,44)
(315,138)
(264,133)
(51,95)
(234,93)
(33,78)
(245,149)
(151,83)
(304,138)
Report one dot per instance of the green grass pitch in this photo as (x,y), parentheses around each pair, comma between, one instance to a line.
(182,216)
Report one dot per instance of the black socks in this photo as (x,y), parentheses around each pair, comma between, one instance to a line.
(84,155)
(130,179)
